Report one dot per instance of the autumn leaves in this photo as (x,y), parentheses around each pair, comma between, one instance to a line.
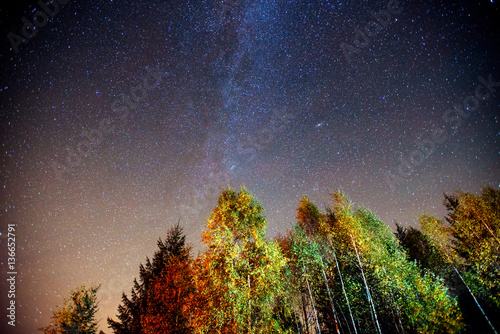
(338,271)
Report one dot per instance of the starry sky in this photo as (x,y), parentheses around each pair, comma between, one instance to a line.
(121,118)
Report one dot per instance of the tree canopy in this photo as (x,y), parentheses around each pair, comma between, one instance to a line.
(77,316)
(340,270)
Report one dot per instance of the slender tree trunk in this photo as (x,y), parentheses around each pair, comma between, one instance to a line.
(249,306)
(343,288)
(399,320)
(331,302)
(344,317)
(451,262)
(304,311)
(296,322)
(370,300)
(312,301)
(397,316)
(487,227)
(475,300)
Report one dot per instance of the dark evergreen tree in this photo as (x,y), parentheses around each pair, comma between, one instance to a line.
(77,316)
(167,309)
(419,248)
(134,311)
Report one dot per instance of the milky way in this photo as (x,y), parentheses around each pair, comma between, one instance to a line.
(120,118)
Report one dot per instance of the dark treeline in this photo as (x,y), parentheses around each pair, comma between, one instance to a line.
(339,271)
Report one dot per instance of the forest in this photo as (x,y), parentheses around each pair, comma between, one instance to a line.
(338,271)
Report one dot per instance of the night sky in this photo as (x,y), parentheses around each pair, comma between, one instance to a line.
(120,118)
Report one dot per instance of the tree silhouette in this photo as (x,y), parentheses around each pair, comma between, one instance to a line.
(136,314)
(77,316)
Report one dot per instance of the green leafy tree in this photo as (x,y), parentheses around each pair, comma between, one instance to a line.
(475,226)
(468,247)
(240,273)
(385,288)
(77,316)
(310,256)
(462,250)
(295,295)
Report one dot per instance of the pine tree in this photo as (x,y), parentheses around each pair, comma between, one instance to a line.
(77,316)
(166,310)
(136,315)
(419,248)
